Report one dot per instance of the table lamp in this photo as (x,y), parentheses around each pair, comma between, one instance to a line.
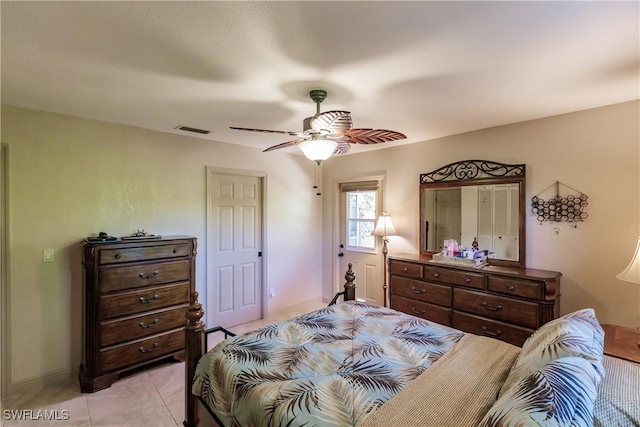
(631,274)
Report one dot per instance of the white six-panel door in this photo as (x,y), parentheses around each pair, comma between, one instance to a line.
(234,245)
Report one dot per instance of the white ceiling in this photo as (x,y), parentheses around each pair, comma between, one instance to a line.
(426,69)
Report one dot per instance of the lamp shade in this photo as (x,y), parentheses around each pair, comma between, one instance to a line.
(384,226)
(632,272)
(318,149)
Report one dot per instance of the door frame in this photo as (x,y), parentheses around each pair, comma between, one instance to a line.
(5,355)
(209,227)
(337,275)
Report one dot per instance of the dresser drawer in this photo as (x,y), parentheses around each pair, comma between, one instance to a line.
(142,253)
(522,288)
(405,269)
(415,289)
(477,325)
(133,327)
(121,356)
(136,276)
(446,275)
(427,311)
(495,307)
(142,300)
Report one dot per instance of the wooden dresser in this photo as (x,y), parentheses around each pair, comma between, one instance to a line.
(135,298)
(501,302)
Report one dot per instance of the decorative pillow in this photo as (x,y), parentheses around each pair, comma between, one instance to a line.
(576,334)
(562,393)
(553,381)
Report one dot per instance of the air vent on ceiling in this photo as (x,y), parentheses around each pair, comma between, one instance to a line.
(194,130)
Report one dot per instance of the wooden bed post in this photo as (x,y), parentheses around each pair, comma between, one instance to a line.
(194,344)
(349,286)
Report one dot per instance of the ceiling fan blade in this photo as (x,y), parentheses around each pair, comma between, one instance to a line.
(267,131)
(372,136)
(336,122)
(342,148)
(285,144)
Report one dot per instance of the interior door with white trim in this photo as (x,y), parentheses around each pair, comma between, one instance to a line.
(234,245)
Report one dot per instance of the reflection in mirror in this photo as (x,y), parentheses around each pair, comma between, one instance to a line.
(485,213)
(475,200)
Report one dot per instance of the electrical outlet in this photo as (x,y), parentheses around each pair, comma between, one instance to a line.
(47,255)
(272,293)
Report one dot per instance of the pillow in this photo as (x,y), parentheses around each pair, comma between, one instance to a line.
(576,334)
(554,379)
(562,393)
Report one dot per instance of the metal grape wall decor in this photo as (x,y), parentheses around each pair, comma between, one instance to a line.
(559,208)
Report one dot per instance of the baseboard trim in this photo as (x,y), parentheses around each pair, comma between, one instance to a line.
(53,378)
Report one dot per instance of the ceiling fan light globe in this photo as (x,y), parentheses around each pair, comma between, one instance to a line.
(318,149)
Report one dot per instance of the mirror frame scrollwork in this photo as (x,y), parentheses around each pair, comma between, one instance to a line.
(478,172)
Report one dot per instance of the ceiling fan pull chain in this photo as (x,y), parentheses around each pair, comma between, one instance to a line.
(316,185)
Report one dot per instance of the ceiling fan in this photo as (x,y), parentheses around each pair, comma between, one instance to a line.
(328,133)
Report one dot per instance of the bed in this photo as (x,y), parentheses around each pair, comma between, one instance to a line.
(356,364)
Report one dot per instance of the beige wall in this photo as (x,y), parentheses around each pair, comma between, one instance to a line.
(596,152)
(71,178)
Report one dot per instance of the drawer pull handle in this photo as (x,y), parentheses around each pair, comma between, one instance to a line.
(418,291)
(436,275)
(488,307)
(175,251)
(147,350)
(150,325)
(117,256)
(148,276)
(144,300)
(405,269)
(491,334)
(420,312)
(467,280)
(510,287)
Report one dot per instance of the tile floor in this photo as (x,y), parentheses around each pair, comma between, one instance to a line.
(151,397)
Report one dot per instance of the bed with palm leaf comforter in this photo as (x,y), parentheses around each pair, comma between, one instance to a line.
(355,364)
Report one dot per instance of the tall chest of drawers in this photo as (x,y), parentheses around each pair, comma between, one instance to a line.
(500,302)
(135,298)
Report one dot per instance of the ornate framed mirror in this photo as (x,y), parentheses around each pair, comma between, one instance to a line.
(475,200)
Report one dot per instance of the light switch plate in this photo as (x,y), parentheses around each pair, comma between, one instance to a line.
(47,255)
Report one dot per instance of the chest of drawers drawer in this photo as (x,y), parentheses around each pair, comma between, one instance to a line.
(134,327)
(461,278)
(482,326)
(510,310)
(141,275)
(406,269)
(115,357)
(432,312)
(141,300)
(109,255)
(422,291)
(529,289)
